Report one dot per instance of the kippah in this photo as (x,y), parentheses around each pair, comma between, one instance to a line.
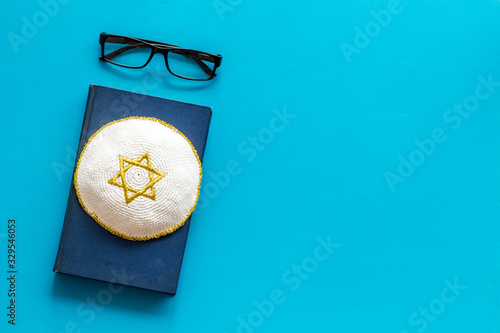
(138,177)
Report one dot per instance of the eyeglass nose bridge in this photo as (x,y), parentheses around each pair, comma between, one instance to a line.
(164,52)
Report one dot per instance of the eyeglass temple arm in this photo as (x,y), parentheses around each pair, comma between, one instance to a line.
(113,54)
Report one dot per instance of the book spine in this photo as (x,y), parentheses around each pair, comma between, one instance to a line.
(206,135)
(83,134)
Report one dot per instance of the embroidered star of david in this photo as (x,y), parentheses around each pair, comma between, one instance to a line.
(154,177)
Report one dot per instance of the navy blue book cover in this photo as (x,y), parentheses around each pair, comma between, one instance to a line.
(88,250)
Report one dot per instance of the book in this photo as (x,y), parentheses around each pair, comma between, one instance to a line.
(88,250)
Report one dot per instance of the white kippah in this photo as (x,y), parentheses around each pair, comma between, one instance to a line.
(139,178)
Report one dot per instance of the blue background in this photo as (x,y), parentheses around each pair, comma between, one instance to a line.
(323,174)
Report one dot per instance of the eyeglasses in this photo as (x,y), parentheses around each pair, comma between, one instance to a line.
(132,52)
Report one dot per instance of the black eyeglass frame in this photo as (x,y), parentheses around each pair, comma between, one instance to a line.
(163,48)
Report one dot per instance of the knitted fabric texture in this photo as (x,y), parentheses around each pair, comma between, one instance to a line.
(139,178)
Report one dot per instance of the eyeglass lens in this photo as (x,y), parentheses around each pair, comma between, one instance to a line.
(126,52)
(189,67)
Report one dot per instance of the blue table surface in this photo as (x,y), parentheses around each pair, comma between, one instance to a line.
(351,175)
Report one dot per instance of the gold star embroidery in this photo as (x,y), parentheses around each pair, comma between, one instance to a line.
(154,177)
